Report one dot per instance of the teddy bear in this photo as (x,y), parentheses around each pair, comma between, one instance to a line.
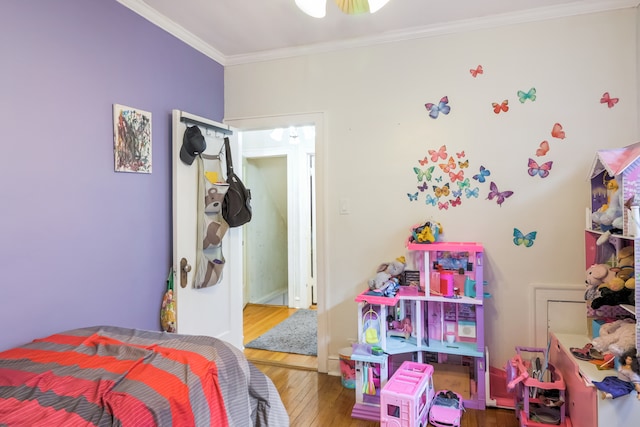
(624,269)
(596,275)
(616,337)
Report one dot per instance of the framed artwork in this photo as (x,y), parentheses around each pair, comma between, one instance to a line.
(131,139)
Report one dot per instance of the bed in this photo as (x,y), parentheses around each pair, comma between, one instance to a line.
(113,376)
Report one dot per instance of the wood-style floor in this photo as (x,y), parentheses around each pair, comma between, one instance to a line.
(313,399)
(258,319)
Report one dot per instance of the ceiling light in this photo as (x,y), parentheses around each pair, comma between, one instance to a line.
(318,8)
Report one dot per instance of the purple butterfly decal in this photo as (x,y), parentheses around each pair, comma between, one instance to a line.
(441,107)
(499,196)
(423,187)
(541,170)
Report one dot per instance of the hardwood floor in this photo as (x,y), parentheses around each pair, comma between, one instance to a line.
(320,400)
(258,319)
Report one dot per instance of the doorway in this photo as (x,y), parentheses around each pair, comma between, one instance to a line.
(315,163)
(279,242)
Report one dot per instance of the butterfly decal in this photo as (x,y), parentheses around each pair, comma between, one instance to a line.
(439,179)
(423,161)
(557,131)
(482,175)
(464,184)
(471,193)
(543,150)
(523,96)
(499,196)
(444,205)
(441,153)
(478,70)
(456,176)
(541,170)
(464,164)
(607,99)
(442,107)
(423,187)
(412,197)
(456,193)
(455,202)
(497,108)
(525,240)
(430,200)
(460,154)
(447,167)
(424,174)
(441,191)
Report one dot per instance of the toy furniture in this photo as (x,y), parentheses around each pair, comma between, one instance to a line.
(533,385)
(407,396)
(602,244)
(440,323)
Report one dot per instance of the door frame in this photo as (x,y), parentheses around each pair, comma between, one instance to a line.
(297,120)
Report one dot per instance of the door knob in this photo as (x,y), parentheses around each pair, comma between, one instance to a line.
(184,269)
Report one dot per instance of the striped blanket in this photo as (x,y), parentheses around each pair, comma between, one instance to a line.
(111,376)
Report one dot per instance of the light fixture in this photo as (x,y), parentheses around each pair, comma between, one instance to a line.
(318,8)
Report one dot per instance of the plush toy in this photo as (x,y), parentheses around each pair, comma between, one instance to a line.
(616,337)
(626,268)
(596,275)
(610,215)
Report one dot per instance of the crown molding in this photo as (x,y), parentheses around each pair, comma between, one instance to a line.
(531,15)
(178,31)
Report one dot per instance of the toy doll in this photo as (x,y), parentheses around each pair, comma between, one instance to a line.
(627,380)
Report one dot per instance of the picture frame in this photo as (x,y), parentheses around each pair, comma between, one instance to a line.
(132,144)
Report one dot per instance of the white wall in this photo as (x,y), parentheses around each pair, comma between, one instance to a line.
(376,129)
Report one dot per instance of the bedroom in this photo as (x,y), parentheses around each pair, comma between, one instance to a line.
(85,246)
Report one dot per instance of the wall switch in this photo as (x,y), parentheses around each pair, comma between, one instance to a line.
(344,207)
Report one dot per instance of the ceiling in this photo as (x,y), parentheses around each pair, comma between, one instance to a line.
(241,31)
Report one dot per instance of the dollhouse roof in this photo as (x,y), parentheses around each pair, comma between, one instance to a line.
(616,160)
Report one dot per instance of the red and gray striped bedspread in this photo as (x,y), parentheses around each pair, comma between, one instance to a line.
(112,376)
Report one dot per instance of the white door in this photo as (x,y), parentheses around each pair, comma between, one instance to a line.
(217,310)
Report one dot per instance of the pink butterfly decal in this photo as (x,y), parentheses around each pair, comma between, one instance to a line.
(497,108)
(441,153)
(541,170)
(460,154)
(456,176)
(606,99)
(499,196)
(478,70)
(455,202)
(444,205)
(447,167)
(557,131)
(423,161)
(543,150)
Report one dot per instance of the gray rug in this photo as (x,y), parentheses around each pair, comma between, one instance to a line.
(297,334)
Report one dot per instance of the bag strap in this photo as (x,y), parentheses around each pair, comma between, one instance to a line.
(227,156)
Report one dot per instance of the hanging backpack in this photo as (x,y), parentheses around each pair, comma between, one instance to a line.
(236,207)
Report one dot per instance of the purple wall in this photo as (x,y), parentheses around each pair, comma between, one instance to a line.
(79,243)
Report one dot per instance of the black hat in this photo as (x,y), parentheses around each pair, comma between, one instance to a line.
(193,144)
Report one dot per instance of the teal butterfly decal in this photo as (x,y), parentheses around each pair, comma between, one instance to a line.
(464,184)
(520,239)
(439,179)
(413,197)
(471,193)
(423,174)
(523,96)
(430,200)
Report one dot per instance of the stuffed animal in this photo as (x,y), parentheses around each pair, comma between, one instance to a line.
(616,337)
(626,268)
(596,275)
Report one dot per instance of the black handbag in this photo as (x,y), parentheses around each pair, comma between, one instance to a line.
(236,206)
